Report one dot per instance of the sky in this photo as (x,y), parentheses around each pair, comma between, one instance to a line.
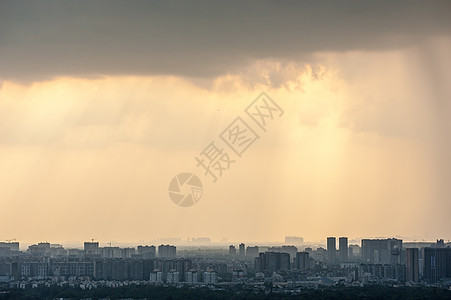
(102,103)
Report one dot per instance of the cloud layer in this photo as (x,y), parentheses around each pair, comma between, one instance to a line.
(44,39)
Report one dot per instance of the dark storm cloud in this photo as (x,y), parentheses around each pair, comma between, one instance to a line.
(43,39)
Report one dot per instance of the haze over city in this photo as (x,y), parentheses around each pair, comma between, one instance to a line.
(103,104)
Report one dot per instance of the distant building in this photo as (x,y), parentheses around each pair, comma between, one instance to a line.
(343,249)
(112,269)
(242,249)
(34,269)
(127,252)
(91,248)
(252,251)
(320,254)
(210,278)
(147,252)
(172,277)
(232,250)
(5,251)
(354,251)
(182,266)
(437,263)
(381,251)
(110,252)
(292,250)
(74,268)
(380,273)
(302,260)
(272,262)
(41,249)
(412,265)
(156,277)
(167,251)
(75,252)
(13,246)
(294,240)
(331,250)
(191,277)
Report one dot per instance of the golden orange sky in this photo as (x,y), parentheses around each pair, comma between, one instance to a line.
(100,107)
(353,154)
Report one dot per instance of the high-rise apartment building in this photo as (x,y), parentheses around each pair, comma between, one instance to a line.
(147,252)
(166,251)
(232,250)
(302,260)
(331,250)
(381,251)
(343,249)
(437,264)
(272,262)
(252,251)
(242,249)
(412,265)
(91,248)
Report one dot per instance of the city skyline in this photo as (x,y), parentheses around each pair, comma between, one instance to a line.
(205,242)
(410,268)
(381,261)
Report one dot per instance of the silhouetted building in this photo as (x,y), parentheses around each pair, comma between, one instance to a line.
(110,252)
(379,272)
(412,265)
(252,251)
(272,262)
(292,250)
(191,277)
(37,268)
(127,252)
(172,277)
(182,266)
(302,260)
(320,254)
(381,251)
(112,269)
(242,249)
(116,252)
(147,252)
(331,250)
(5,251)
(343,249)
(41,249)
(156,277)
(13,246)
(232,250)
(167,251)
(437,264)
(210,277)
(73,268)
(91,248)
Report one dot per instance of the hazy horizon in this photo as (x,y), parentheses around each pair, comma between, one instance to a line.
(214,244)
